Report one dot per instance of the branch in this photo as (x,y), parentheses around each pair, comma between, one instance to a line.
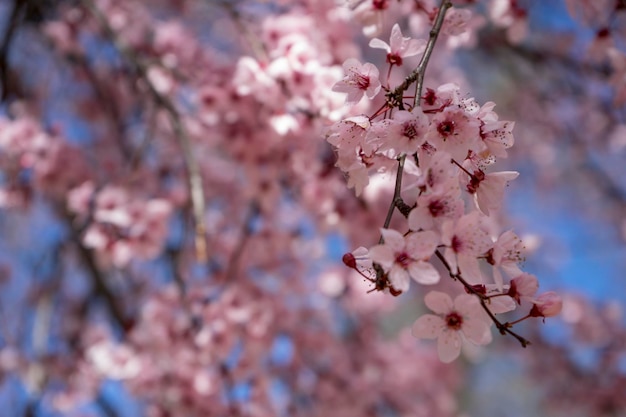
(502,328)
(99,281)
(193,168)
(12,25)
(418,73)
(396,95)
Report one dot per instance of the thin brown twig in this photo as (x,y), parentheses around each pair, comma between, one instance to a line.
(396,194)
(502,328)
(396,95)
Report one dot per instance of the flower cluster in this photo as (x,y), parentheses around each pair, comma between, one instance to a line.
(446,145)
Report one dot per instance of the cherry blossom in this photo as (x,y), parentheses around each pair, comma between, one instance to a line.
(399,47)
(360,79)
(403,257)
(522,287)
(455,132)
(403,134)
(175,188)
(465,240)
(548,304)
(456,321)
(488,188)
(506,254)
(436,207)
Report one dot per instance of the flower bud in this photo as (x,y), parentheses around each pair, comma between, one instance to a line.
(349,260)
(548,304)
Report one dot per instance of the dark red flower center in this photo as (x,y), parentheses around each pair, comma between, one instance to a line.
(394,59)
(454,320)
(380,4)
(446,128)
(403,259)
(436,208)
(409,131)
(362,81)
(456,244)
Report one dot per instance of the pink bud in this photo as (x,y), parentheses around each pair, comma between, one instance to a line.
(525,285)
(349,260)
(548,304)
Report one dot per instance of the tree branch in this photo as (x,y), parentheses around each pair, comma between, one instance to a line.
(193,168)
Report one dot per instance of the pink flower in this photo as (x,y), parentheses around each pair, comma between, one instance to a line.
(523,286)
(456,321)
(360,79)
(506,254)
(403,257)
(488,189)
(496,134)
(434,208)
(507,14)
(399,47)
(455,132)
(456,21)
(548,304)
(404,133)
(466,240)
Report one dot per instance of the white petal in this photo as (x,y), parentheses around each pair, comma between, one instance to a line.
(393,239)
(497,278)
(424,273)
(428,326)
(399,278)
(449,346)
(377,43)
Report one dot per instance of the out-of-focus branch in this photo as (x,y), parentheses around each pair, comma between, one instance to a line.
(244,234)
(255,44)
(101,288)
(193,168)
(108,103)
(11,28)
(106,407)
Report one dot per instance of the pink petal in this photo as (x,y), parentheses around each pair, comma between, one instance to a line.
(396,39)
(476,331)
(414,47)
(428,326)
(470,269)
(439,302)
(351,65)
(393,239)
(420,218)
(500,305)
(450,257)
(467,305)
(383,255)
(449,346)
(422,245)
